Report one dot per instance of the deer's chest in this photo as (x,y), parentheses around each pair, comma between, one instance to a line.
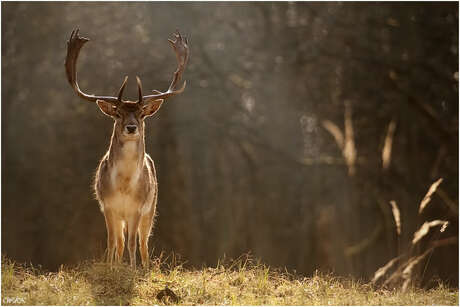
(127,185)
(126,189)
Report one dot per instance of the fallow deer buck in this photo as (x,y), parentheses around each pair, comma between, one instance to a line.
(126,184)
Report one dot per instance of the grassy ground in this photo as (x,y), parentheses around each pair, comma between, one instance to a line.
(239,283)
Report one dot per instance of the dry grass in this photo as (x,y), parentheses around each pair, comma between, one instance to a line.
(388,144)
(396,216)
(242,282)
(423,231)
(404,274)
(428,195)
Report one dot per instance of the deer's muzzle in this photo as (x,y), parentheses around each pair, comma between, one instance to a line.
(130,129)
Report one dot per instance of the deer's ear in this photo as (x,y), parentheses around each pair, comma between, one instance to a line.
(152,107)
(107,108)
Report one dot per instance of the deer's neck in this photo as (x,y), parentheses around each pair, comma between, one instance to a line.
(127,156)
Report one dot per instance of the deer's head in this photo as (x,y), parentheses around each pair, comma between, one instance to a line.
(128,115)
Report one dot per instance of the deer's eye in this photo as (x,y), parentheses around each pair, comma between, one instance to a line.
(116,113)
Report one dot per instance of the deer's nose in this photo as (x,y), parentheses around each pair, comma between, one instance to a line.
(131,128)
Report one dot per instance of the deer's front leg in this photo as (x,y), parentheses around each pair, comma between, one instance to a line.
(145,226)
(111,238)
(120,239)
(133,225)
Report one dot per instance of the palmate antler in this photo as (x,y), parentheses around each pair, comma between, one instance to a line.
(182,53)
(76,42)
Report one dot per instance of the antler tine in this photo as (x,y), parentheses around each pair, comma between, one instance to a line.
(180,47)
(139,88)
(122,88)
(74,46)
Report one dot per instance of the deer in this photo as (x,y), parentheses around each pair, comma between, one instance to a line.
(125,183)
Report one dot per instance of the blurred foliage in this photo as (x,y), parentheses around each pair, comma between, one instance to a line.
(244,158)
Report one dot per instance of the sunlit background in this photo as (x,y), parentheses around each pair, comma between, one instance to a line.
(299,124)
